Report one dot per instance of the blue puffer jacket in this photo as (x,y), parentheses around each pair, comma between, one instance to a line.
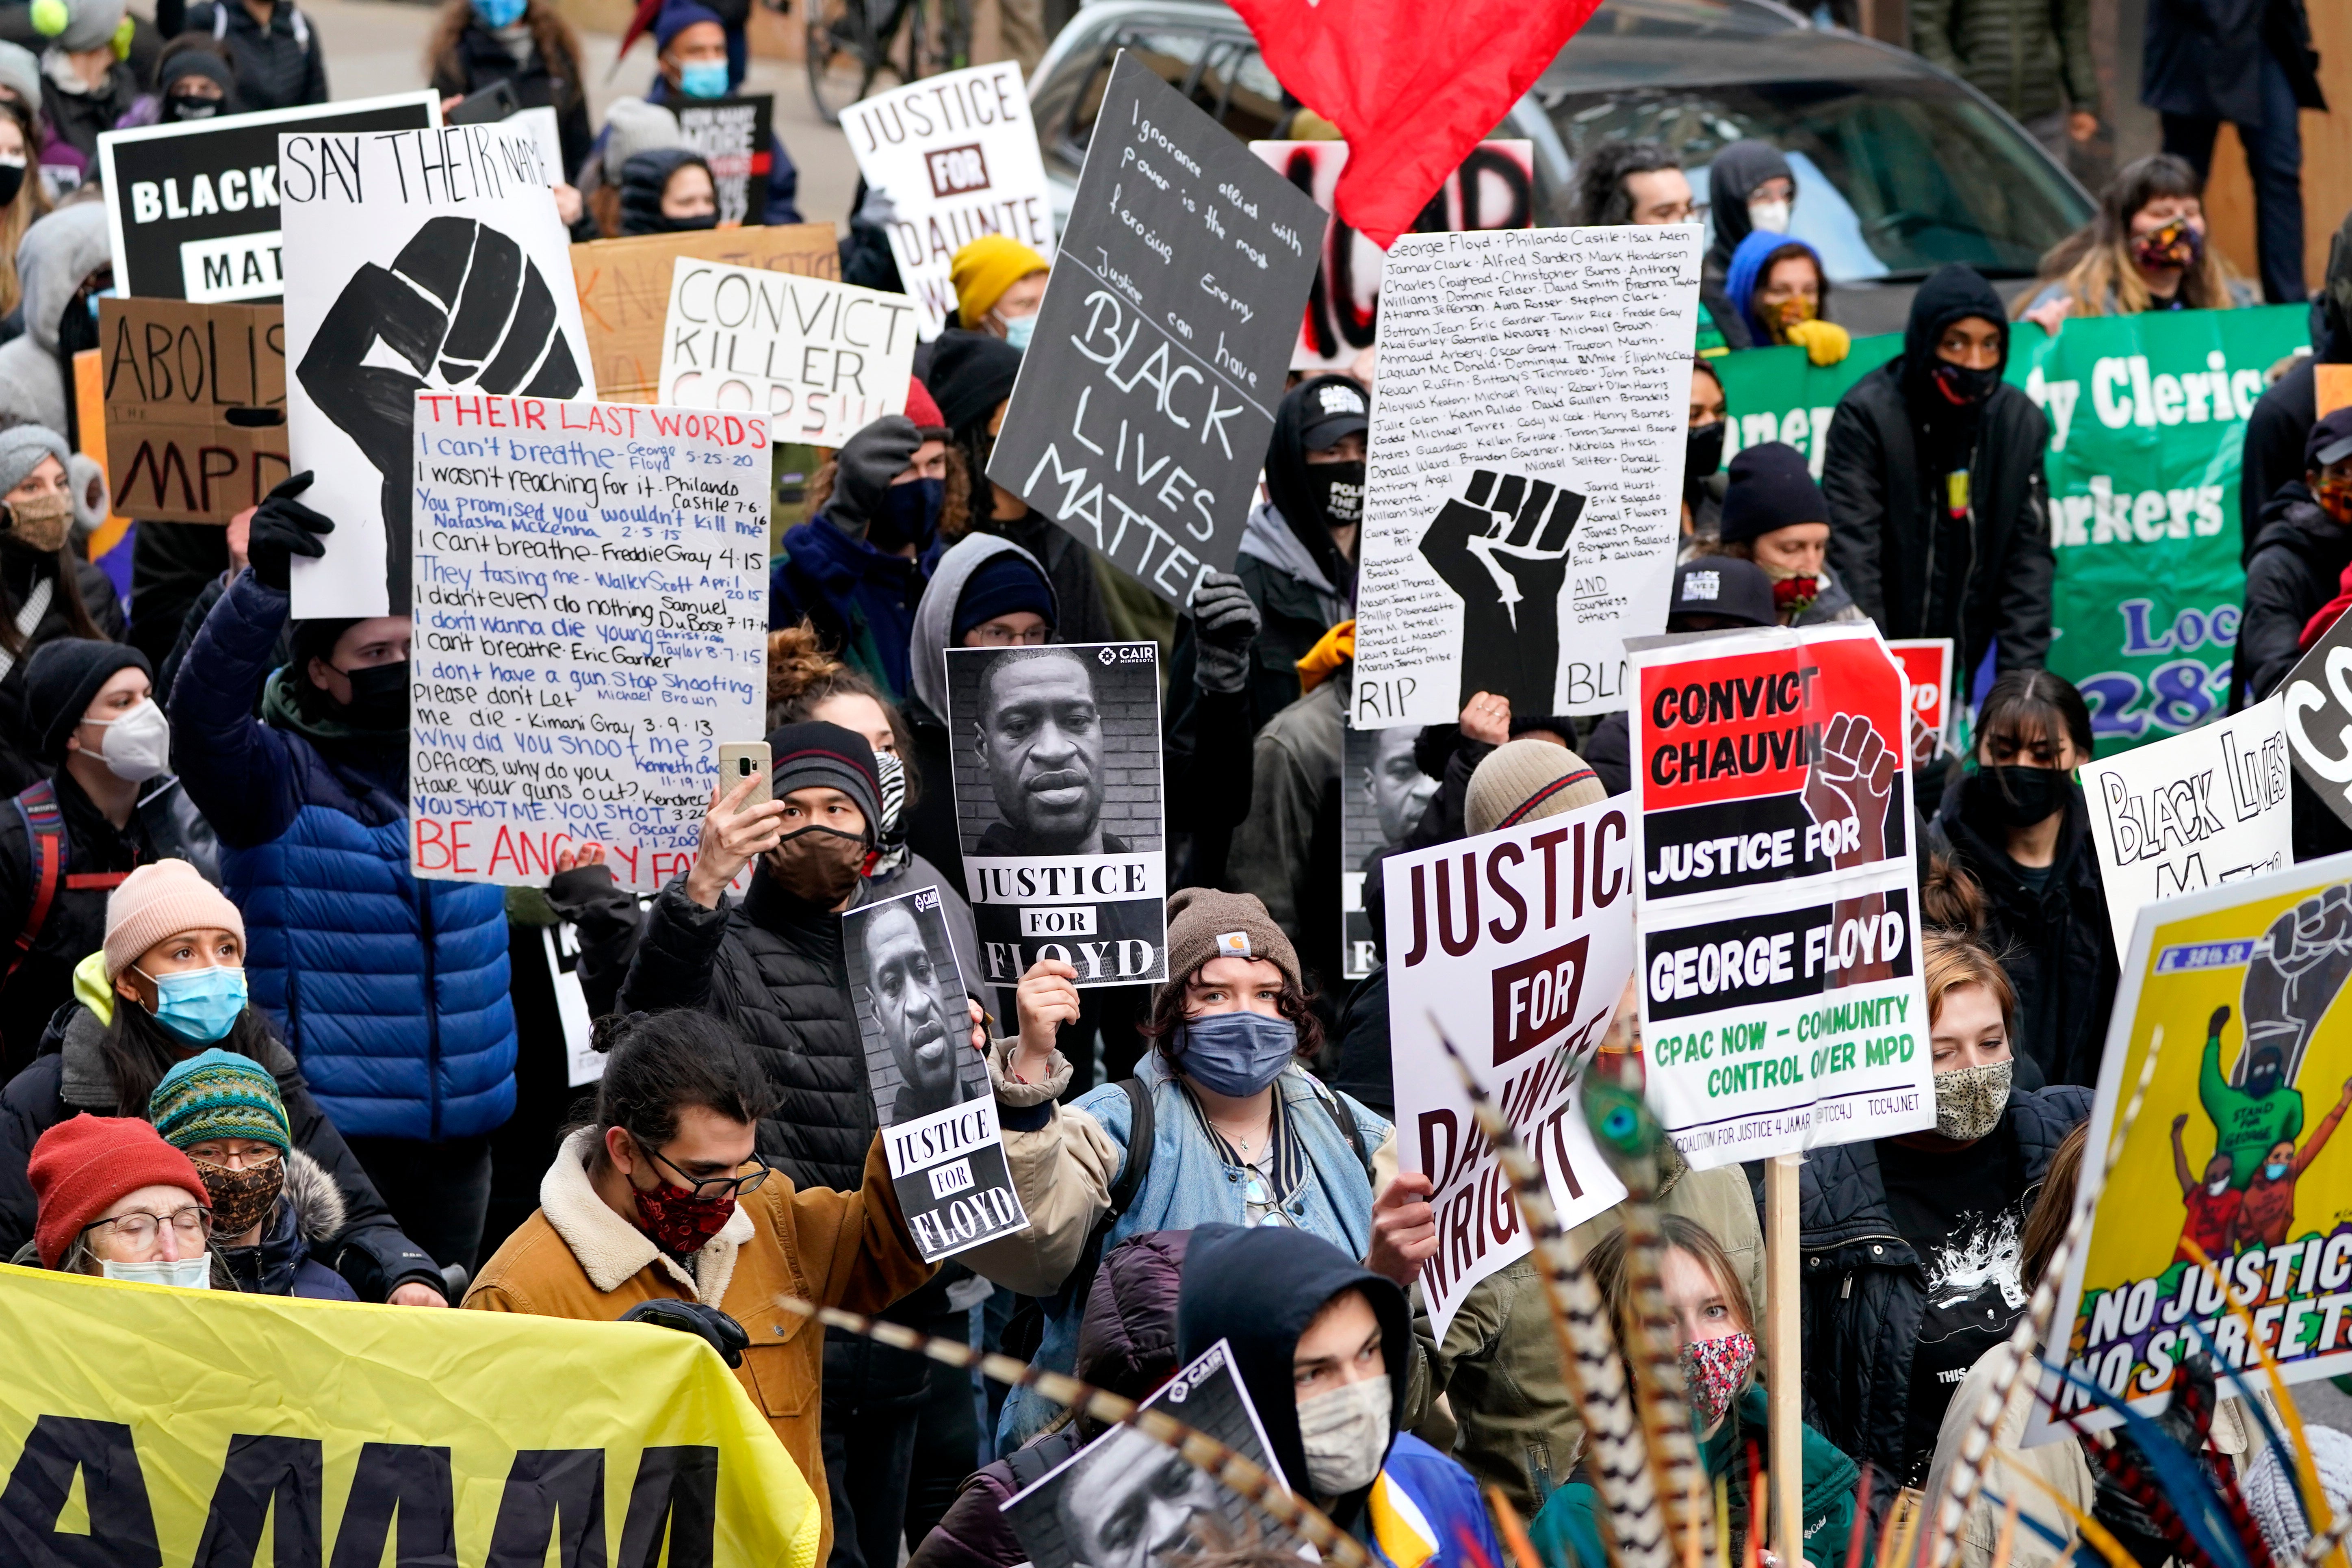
(392,992)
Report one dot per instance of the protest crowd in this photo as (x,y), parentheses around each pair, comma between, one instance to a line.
(928,823)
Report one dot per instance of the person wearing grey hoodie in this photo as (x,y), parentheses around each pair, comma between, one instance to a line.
(61,262)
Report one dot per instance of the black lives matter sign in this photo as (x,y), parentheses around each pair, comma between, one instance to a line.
(1147,397)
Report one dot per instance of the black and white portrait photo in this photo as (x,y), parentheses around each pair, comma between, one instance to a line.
(1382,794)
(911,1009)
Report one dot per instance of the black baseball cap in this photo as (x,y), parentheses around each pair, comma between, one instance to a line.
(2330,440)
(1336,409)
(1723,586)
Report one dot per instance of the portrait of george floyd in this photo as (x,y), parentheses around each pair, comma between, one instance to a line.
(912,1011)
(1382,794)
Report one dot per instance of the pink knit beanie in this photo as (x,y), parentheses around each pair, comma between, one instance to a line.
(153,902)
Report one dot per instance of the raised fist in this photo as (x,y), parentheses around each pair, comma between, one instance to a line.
(1851,783)
(2301,964)
(1502,545)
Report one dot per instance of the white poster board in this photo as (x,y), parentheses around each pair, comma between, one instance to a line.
(821,359)
(957,156)
(2182,814)
(1547,355)
(592,621)
(1518,945)
(415,260)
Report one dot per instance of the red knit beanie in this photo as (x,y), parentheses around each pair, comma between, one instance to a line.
(921,407)
(82,1168)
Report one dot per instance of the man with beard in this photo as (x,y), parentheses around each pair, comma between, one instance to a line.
(1400,792)
(1132,1502)
(1041,740)
(914,1018)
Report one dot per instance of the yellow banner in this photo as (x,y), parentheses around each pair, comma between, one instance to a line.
(140,1426)
(2238,1152)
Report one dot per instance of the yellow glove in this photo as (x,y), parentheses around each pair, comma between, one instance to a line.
(1825,342)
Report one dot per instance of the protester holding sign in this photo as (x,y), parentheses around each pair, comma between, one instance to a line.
(477,43)
(1776,285)
(851,570)
(2298,559)
(1750,190)
(691,62)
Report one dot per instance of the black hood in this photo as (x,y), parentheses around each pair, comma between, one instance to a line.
(1954,293)
(2331,307)
(1969,815)
(1286,477)
(2293,519)
(1731,179)
(1257,1289)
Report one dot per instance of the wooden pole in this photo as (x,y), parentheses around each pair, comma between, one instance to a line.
(1781,1331)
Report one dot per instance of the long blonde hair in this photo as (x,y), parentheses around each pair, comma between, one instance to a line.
(2097,264)
(31,206)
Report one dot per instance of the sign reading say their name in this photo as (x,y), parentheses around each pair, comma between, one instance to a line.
(192,210)
(591,614)
(1517,945)
(821,360)
(195,406)
(957,155)
(1782,1008)
(1147,397)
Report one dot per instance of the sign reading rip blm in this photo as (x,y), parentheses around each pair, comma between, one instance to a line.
(1781,999)
(195,406)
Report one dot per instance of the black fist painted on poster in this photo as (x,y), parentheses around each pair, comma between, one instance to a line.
(461,307)
(1847,787)
(1502,545)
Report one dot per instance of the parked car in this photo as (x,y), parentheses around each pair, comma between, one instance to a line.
(1900,167)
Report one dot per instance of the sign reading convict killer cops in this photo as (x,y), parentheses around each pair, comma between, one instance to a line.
(1058,793)
(957,156)
(195,406)
(192,210)
(2235,1155)
(821,360)
(418,260)
(2181,815)
(931,1095)
(1523,503)
(591,593)
(1517,945)
(1781,1006)
(625,288)
(1146,399)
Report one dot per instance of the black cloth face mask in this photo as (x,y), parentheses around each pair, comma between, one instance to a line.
(1338,492)
(2025,796)
(379,696)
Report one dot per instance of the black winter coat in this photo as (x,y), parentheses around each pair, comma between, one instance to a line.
(2204,57)
(1891,538)
(2275,433)
(1865,1290)
(771,965)
(2057,946)
(2296,566)
(281,65)
(552,80)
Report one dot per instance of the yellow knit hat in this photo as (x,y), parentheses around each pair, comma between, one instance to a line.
(982,270)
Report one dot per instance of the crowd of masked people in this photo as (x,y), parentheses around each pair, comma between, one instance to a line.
(244,1049)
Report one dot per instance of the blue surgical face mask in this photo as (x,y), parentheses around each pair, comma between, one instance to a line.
(1237,1054)
(199,1005)
(1020,329)
(497,14)
(703,79)
(2275,1173)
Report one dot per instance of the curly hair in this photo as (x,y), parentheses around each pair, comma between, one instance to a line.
(955,512)
(1601,194)
(802,677)
(1164,1027)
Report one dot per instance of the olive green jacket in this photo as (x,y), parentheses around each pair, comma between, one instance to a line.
(2031,57)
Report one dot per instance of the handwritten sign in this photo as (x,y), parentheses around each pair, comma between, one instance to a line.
(1556,361)
(195,406)
(592,613)
(1147,397)
(821,359)
(624,285)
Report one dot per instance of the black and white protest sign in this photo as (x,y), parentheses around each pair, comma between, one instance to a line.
(1382,793)
(1146,398)
(193,210)
(2317,693)
(931,1089)
(736,136)
(1057,792)
(1125,1501)
(821,360)
(416,260)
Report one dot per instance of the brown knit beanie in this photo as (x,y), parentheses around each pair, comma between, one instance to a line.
(1525,781)
(158,900)
(1203,923)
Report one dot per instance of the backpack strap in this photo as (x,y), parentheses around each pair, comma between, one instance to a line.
(45,836)
(1344,1120)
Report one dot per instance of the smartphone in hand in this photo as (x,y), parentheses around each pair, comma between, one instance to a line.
(748,760)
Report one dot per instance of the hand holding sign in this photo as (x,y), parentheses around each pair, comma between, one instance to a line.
(1846,789)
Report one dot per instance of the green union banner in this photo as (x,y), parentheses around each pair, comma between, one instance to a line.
(2146,415)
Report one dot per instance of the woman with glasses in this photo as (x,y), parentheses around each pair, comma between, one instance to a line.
(115,1200)
(169,982)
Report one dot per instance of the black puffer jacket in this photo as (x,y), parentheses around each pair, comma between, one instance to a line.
(2058,946)
(1864,1291)
(771,965)
(281,63)
(2298,561)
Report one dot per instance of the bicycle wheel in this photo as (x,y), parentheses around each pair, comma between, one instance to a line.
(843,56)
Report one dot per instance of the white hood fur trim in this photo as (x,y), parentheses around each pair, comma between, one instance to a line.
(610,1249)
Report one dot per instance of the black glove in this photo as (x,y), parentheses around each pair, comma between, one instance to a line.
(1227,624)
(723,1333)
(284,527)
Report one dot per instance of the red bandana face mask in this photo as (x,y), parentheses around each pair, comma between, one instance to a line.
(679,1222)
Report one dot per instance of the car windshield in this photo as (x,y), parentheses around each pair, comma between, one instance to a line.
(1888,185)
(1220,73)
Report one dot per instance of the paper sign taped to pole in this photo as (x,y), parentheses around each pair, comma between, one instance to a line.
(195,406)
(821,359)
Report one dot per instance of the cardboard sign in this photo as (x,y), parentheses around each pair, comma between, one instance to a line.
(1145,401)
(591,614)
(1058,804)
(1518,945)
(1927,665)
(193,210)
(2236,1153)
(957,156)
(2179,816)
(418,260)
(1782,1008)
(624,289)
(821,360)
(1382,793)
(736,136)
(1494,188)
(195,406)
(931,1094)
(1523,495)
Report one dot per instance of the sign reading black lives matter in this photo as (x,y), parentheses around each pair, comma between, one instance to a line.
(1083,1513)
(931,1089)
(1146,398)
(192,210)
(2318,695)
(1058,806)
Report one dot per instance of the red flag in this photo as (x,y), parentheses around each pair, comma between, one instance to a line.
(1412,84)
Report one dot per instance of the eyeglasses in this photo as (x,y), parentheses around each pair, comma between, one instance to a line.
(193,1226)
(711,1188)
(991,635)
(238,1160)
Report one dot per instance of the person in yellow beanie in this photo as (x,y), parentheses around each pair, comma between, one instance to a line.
(999,284)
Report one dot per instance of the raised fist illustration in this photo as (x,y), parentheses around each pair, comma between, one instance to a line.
(1502,545)
(2300,964)
(1846,790)
(460,307)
